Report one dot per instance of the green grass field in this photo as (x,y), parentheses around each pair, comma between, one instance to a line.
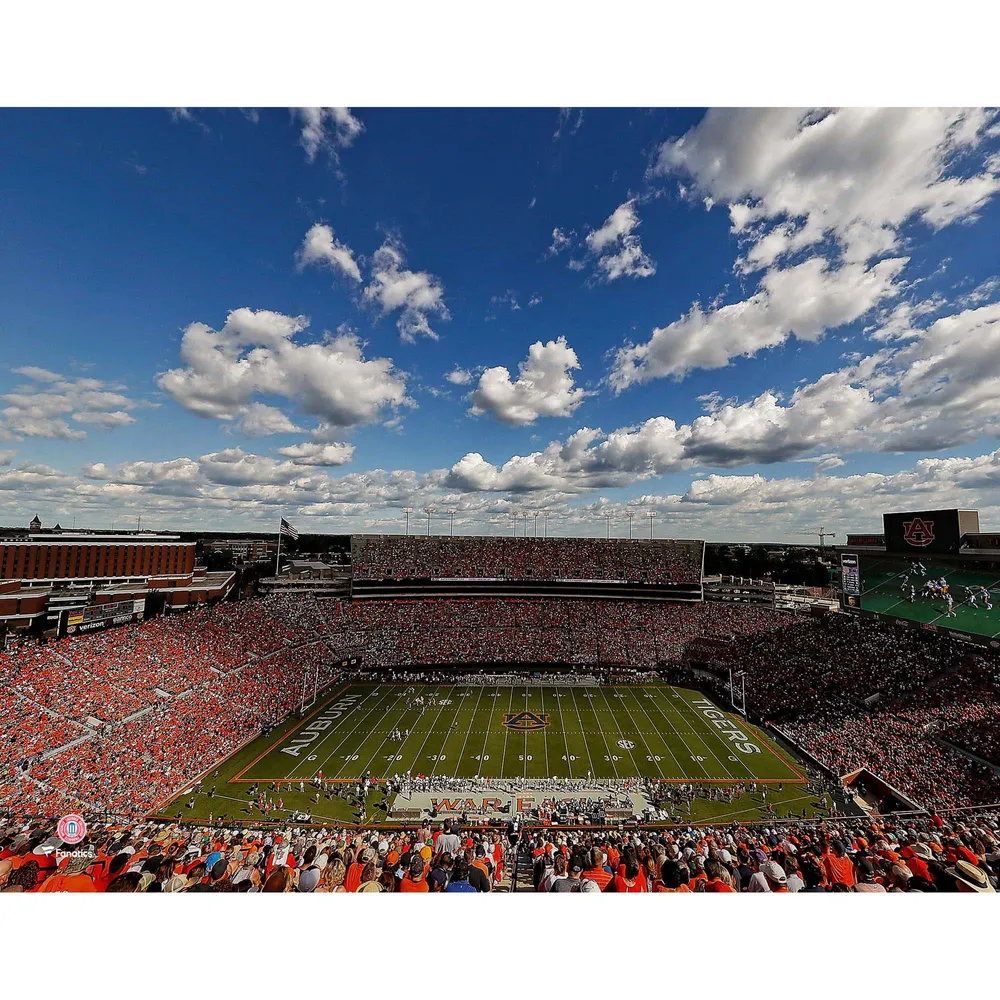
(466,731)
(608,731)
(881,583)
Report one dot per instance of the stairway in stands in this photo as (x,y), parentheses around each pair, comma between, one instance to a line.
(521,873)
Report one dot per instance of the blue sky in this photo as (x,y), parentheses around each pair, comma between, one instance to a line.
(215,317)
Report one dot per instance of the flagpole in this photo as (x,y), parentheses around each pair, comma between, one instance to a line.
(277,558)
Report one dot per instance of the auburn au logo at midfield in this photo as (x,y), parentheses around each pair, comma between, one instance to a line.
(526,720)
(918,532)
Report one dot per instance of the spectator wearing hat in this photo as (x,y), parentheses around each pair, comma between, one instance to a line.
(864,872)
(73,878)
(970,878)
(415,879)
(440,872)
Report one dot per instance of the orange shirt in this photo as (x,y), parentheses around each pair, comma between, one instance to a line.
(68,883)
(717,885)
(598,875)
(410,885)
(838,869)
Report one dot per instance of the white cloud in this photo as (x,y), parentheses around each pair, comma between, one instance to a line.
(544,386)
(322,248)
(315,453)
(459,376)
(535,300)
(259,420)
(257,352)
(560,241)
(615,249)
(804,300)
(417,295)
(187,115)
(792,178)
(45,406)
(568,122)
(329,129)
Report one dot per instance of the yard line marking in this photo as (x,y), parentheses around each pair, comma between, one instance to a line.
(486,736)
(506,733)
(649,750)
(677,732)
(337,730)
(365,736)
(472,721)
(431,730)
(545,735)
(715,732)
(666,743)
(600,728)
(447,735)
(614,717)
(562,723)
(384,706)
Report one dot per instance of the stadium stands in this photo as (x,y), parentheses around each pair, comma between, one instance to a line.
(117,722)
(395,557)
(925,854)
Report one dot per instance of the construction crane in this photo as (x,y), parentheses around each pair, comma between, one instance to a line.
(821,534)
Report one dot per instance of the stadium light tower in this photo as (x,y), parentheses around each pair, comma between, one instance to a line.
(630,514)
(407,511)
(524,514)
(607,520)
(545,523)
(651,514)
(451,514)
(536,513)
(428,511)
(513,523)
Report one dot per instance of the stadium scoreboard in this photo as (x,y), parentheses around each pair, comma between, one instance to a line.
(850,576)
(934,532)
(101,616)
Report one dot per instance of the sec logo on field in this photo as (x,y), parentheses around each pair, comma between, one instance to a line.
(626,744)
(71,829)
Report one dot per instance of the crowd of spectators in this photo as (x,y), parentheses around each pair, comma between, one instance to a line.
(415,557)
(118,721)
(863,693)
(104,723)
(410,632)
(926,855)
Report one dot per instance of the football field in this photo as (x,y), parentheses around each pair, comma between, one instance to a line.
(883,591)
(469,731)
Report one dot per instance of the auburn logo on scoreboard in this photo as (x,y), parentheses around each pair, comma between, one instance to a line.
(918,532)
(526,720)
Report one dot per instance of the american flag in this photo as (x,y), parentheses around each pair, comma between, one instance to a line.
(287,529)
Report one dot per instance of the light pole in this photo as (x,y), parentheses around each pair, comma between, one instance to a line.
(545,523)
(630,514)
(651,515)
(513,523)
(536,524)
(428,511)
(407,511)
(451,514)
(607,518)
(524,514)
